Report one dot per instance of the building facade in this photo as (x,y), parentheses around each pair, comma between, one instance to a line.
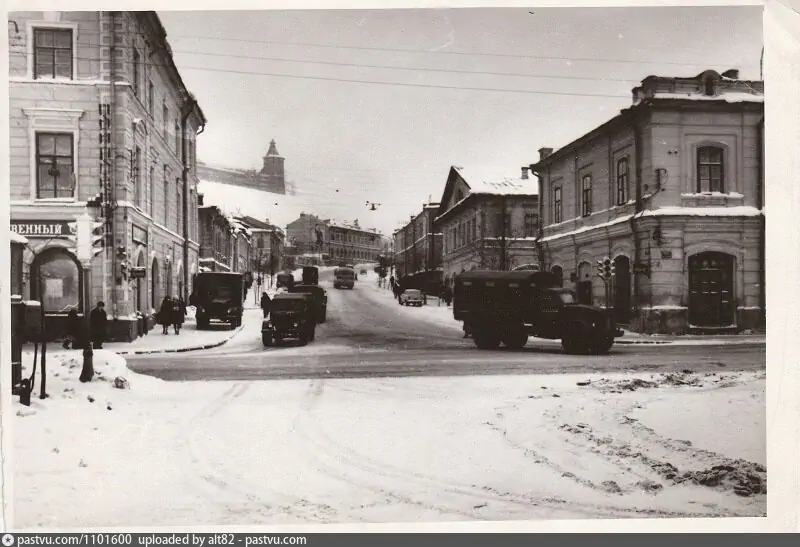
(270,178)
(351,243)
(418,246)
(267,250)
(101,121)
(672,191)
(309,237)
(487,224)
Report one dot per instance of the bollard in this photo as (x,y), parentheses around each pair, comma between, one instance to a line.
(87,373)
(25,392)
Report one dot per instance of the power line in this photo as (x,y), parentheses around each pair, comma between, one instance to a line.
(439,52)
(411,69)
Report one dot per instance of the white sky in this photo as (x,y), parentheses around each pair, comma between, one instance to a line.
(347,143)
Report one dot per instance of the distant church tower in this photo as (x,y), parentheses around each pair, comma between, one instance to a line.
(273,169)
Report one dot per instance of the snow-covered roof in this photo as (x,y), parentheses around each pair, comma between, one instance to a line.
(16,238)
(729,97)
(502,187)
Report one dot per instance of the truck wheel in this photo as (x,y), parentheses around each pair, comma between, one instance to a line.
(278,340)
(486,340)
(573,345)
(266,339)
(602,345)
(515,339)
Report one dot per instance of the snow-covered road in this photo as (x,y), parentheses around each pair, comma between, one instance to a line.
(390,449)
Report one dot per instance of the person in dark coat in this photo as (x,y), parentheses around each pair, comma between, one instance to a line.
(73,334)
(98,321)
(265,303)
(178,314)
(165,315)
(448,295)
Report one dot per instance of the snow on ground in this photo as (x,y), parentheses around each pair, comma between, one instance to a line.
(378,450)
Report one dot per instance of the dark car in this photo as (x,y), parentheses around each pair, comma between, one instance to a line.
(507,307)
(220,296)
(319,297)
(291,315)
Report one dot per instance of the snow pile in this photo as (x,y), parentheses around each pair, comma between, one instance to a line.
(112,381)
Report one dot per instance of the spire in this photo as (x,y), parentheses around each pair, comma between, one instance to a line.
(273,151)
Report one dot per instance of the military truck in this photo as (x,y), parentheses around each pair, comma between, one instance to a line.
(291,315)
(220,296)
(284,279)
(310,275)
(508,307)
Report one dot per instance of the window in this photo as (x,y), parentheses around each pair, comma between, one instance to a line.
(137,73)
(52,53)
(622,181)
(177,139)
(586,195)
(531,220)
(166,196)
(710,172)
(152,195)
(56,281)
(55,165)
(151,98)
(708,86)
(136,177)
(164,121)
(179,207)
(557,205)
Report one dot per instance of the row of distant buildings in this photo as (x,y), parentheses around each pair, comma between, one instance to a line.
(313,240)
(102,122)
(671,190)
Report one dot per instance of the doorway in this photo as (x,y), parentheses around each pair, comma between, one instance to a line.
(711,301)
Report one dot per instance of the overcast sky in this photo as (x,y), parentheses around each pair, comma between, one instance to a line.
(349,142)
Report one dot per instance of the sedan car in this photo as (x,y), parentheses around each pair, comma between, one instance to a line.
(411,297)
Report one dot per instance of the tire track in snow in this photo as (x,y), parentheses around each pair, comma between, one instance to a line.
(220,480)
(349,458)
(336,472)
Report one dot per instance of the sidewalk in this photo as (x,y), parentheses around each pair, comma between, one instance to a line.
(190,339)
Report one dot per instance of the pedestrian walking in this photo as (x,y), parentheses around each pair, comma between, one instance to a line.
(448,295)
(98,322)
(265,304)
(72,336)
(178,313)
(165,315)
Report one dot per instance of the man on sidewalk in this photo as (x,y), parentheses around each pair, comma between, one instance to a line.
(98,321)
(265,303)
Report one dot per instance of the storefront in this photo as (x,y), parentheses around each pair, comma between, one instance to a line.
(50,272)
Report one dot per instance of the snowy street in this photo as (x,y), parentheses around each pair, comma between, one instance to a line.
(392,417)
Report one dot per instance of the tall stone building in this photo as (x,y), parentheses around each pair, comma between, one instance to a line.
(271,177)
(101,122)
(418,249)
(671,190)
(487,224)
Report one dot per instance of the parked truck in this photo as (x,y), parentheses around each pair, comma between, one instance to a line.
(344,277)
(508,307)
(220,296)
(310,275)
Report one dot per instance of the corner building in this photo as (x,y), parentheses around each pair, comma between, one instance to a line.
(672,191)
(102,121)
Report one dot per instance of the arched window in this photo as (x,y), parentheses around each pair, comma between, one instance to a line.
(622,181)
(710,169)
(56,281)
(178,206)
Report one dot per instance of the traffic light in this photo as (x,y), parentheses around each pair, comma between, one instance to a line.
(98,238)
(605,269)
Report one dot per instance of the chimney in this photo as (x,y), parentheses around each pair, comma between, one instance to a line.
(525,172)
(544,152)
(733,74)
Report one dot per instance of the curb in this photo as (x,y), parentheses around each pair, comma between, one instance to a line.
(182,350)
